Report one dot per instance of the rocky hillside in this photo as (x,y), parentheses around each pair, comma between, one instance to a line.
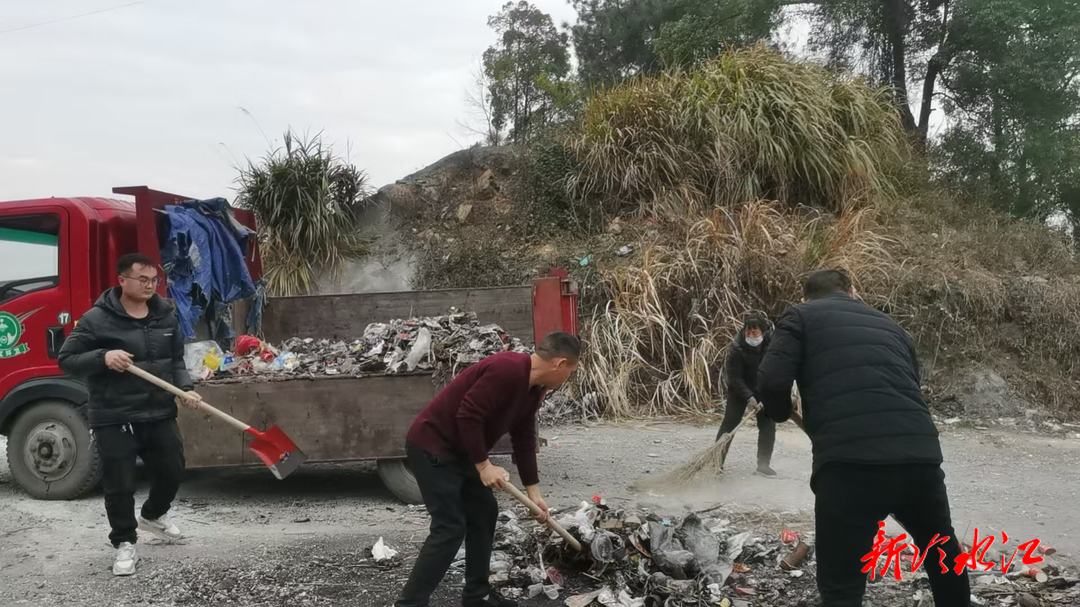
(992,301)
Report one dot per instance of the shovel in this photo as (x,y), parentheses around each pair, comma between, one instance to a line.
(273,447)
(536,511)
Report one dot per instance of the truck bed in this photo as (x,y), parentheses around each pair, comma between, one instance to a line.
(340,418)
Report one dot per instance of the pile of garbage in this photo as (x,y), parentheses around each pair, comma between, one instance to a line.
(639,559)
(561,408)
(443,345)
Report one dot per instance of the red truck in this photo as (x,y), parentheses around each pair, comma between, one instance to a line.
(59,256)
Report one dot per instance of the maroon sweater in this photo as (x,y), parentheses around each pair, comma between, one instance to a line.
(478,407)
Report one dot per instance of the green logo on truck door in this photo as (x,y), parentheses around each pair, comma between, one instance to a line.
(11,331)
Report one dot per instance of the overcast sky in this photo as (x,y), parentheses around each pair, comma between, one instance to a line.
(150,94)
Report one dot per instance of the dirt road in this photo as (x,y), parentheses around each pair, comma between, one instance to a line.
(257,541)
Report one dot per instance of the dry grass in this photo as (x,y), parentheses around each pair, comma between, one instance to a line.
(747,125)
(757,170)
(657,347)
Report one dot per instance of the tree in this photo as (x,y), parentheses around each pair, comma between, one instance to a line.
(889,40)
(708,27)
(613,39)
(306,201)
(478,100)
(617,39)
(1013,93)
(530,57)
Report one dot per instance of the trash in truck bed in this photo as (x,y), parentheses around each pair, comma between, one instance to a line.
(439,345)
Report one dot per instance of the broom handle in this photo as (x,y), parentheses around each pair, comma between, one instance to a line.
(751,411)
(726,439)
(536,511)
(164,385)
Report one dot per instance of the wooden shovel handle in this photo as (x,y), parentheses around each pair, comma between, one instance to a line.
(536,511)
(164,385)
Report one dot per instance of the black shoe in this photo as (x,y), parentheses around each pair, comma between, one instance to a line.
(765,470)
(493,600)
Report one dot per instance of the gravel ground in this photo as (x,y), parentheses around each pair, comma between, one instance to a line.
(255,541)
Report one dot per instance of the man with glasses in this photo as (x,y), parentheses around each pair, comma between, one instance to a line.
(132,325)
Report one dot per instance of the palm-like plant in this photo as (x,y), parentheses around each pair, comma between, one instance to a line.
(306,201)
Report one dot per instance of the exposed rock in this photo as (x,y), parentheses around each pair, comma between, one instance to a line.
(402,199)
(463,212)
(984,393)
(487,157)
(485,185)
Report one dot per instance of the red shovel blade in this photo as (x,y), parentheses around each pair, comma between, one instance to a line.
(277,451)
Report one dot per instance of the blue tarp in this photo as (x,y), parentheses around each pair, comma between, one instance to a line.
(203,257)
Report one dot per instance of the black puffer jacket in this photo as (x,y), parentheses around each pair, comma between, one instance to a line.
(859,382)
(741,368)
(156,345)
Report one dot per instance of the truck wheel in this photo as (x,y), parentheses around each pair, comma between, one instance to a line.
(50,453)
(399,479)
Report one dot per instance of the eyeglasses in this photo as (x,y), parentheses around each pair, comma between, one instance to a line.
(144,281)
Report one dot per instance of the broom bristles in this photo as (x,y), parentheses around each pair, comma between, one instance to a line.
(710,461)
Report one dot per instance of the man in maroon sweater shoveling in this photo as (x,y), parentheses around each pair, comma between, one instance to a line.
(448,447)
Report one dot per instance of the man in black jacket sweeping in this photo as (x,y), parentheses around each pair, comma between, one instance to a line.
(741,370)
(132,325)
(876,450)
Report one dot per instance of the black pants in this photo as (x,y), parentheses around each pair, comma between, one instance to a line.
(461,508)
(733,414)
(851,499)
(161,448)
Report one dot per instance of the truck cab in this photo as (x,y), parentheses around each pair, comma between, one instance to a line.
(59,256)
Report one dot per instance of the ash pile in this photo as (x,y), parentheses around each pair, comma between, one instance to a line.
(639,559)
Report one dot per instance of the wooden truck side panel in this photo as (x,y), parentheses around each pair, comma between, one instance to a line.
(346,316)
(330,418)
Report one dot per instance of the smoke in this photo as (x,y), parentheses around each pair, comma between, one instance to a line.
(389,266)
(371,275)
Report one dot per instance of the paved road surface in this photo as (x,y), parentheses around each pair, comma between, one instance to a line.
(301,534)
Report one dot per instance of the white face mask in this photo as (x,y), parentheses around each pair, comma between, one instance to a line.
(754,342)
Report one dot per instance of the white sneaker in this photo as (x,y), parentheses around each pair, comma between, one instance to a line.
(126,558)
(161,528)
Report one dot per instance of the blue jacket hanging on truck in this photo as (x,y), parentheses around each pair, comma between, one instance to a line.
(203,257)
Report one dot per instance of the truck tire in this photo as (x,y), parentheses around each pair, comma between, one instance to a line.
(399,479)
(50,453)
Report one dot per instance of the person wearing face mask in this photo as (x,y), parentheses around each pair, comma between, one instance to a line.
(743,357)
(448,447)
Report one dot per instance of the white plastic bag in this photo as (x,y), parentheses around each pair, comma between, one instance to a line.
(421,348)
(382,552)
(195,357)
